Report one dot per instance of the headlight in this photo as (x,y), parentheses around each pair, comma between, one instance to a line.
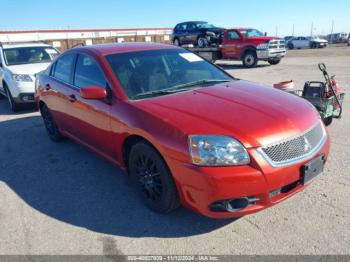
(263,46)
(212,150)
(22,78)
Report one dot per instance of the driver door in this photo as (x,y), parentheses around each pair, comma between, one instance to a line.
(90,122)
(232,46)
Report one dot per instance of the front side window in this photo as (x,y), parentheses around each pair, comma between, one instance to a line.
(64,67)
(88,73)
(29,55)
(155,71)
(251,33)
(233,35)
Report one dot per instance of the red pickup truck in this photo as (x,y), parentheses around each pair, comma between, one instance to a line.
(245,44)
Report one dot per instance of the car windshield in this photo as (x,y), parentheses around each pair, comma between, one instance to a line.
(159,72)
(205,25)
(251,33)
(29,55)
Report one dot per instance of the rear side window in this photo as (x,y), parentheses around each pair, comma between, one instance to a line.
(64,67)
(88,73)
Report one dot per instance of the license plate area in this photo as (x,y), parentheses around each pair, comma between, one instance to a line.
(312,169)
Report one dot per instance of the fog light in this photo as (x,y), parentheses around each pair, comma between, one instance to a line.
(233,205)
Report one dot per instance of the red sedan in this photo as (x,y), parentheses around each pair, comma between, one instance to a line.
(186,131)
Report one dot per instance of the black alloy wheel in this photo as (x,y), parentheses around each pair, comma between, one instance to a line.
(153,178)
(50,125)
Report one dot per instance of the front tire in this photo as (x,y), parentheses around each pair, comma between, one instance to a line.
(202,42)
(274,61)
(13,105)
(153,178)
(250,59)
(50,125)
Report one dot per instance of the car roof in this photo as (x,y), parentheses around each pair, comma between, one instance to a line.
(17,45)
(116,48)
(202,22)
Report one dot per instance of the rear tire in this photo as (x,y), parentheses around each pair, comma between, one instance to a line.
(13,105)
(50,125)
(274,61)
(250,59)
(290,46)
(176,42)
(155,182)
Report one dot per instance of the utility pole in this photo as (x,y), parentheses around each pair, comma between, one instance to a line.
(312,28)
(332,30)
(293,31)
(276,30)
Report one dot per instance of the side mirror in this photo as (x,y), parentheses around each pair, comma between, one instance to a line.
(93,92)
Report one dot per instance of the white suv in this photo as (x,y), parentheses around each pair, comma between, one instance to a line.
(18,65)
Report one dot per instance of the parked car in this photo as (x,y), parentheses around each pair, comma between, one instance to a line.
(338,37)
(18,65)
(288,38)
(317,42)
(246,44)
(349,40)
(197,33)
(306,42)
(144,107)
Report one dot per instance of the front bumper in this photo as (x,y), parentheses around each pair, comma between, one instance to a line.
(22,92)
(266,54)
(200,187)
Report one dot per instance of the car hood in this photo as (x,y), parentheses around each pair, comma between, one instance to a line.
(263,38)
(254,114)
(215,30)
(28,69)
(319,40)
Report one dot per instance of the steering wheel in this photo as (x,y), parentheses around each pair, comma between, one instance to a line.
(176,76)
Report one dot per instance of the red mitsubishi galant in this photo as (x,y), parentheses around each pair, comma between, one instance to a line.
(185,130)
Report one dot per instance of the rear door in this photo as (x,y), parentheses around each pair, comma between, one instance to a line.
(192,33)
(183,33)
(232,44)
(304,42)
(90,118)
(56,89)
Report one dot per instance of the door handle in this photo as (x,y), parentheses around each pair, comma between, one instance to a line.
(72,98)
(47,87)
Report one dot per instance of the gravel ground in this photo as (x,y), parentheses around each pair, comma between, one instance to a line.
(63,199)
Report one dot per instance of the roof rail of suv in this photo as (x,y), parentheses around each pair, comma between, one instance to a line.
(18,43)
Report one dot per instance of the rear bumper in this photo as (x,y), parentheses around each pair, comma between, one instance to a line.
(265,54)
(200,187)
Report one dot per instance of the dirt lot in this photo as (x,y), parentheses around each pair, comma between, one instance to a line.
(63,199)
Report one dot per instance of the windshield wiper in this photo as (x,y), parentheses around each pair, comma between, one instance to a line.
(178,88)
(154,93)
(200,82)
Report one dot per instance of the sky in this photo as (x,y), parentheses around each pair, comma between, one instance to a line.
(271,16)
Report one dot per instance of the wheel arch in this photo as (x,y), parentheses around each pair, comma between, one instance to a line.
(247,49)
(132,140)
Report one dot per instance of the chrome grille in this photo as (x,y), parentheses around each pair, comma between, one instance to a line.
(275,44)
(295,149)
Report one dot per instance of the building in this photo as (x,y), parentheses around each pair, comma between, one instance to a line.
(64,39)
